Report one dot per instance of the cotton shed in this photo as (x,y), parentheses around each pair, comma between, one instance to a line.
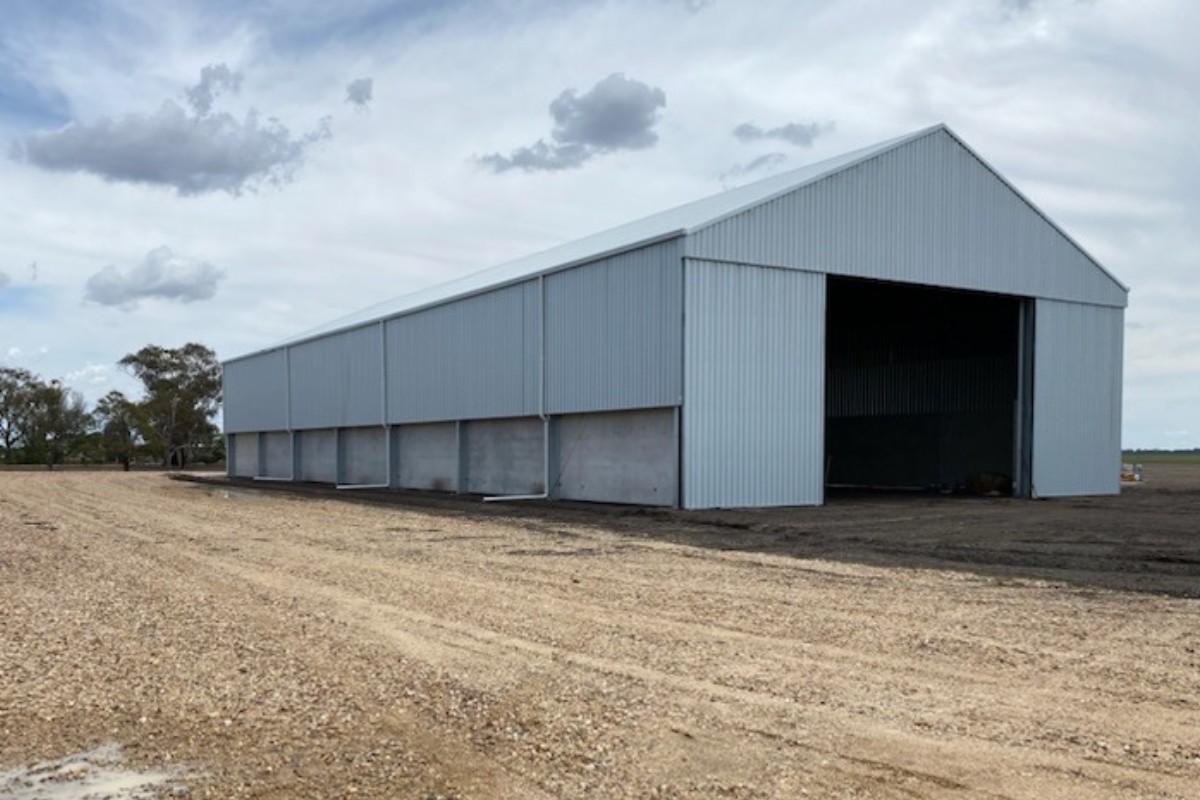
(899,316)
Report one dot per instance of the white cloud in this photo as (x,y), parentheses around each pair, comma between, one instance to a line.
(214,79)
(90,375)
(754,169)
(161,275)
(359,91)
(191,153)
(618,113)
(801,134)
(5,280)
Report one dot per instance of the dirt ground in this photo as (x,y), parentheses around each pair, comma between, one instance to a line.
(271,644)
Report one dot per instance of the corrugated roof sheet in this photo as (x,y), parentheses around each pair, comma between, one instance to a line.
(656,227)
(663,225)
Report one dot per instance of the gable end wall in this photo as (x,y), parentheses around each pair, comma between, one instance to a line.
(928,212)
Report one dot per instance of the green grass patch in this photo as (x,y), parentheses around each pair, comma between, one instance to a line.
(1161,457)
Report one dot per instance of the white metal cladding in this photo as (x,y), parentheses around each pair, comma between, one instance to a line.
(255,393)
(719,212)
(1076,399)
(753,414)
(337,381)
(614,332)
(927,211)
(473,358)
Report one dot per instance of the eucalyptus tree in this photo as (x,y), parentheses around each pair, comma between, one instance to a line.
(182,395)
(17,389)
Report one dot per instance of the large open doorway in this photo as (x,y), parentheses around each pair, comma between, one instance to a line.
(923,388)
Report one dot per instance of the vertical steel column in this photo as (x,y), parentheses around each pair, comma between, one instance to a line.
(287,394)
(1023,423)
(339,457)
(681,409)
(677,432)
(393,453)
(549,449)
(261,444)
(388,481)
(296,455)
(460,446)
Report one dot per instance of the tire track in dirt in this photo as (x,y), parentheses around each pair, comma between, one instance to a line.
(321,570)
(568,611)
(422,634)
(513,628)
(162,571)
(471,641)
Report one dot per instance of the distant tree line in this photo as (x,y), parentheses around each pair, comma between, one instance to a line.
(171,424)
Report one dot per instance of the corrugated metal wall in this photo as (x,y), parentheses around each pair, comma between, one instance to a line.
(614,339)
(255,393)
(927,212)
(614,332)
(470,359)
(754,416)
(337,381)
(1077,399)
(921,386)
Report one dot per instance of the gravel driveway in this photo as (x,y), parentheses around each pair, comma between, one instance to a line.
(273,644)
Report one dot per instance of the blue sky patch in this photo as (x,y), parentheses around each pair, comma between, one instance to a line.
(24,105)
(23,300)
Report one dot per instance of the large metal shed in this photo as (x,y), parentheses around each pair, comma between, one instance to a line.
(898,316)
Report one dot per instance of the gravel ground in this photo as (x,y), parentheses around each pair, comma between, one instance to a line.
(273,644)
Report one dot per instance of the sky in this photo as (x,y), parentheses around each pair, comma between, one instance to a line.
(234,173)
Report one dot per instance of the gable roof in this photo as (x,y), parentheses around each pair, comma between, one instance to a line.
(665,225)
(656,227)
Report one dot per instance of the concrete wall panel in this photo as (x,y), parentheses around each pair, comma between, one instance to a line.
(428,457)
(505,456)
(245,454)
(318,456)
(619,457)
(277,449)
(364,455)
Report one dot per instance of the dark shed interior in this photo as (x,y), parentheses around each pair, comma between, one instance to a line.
(921,387)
